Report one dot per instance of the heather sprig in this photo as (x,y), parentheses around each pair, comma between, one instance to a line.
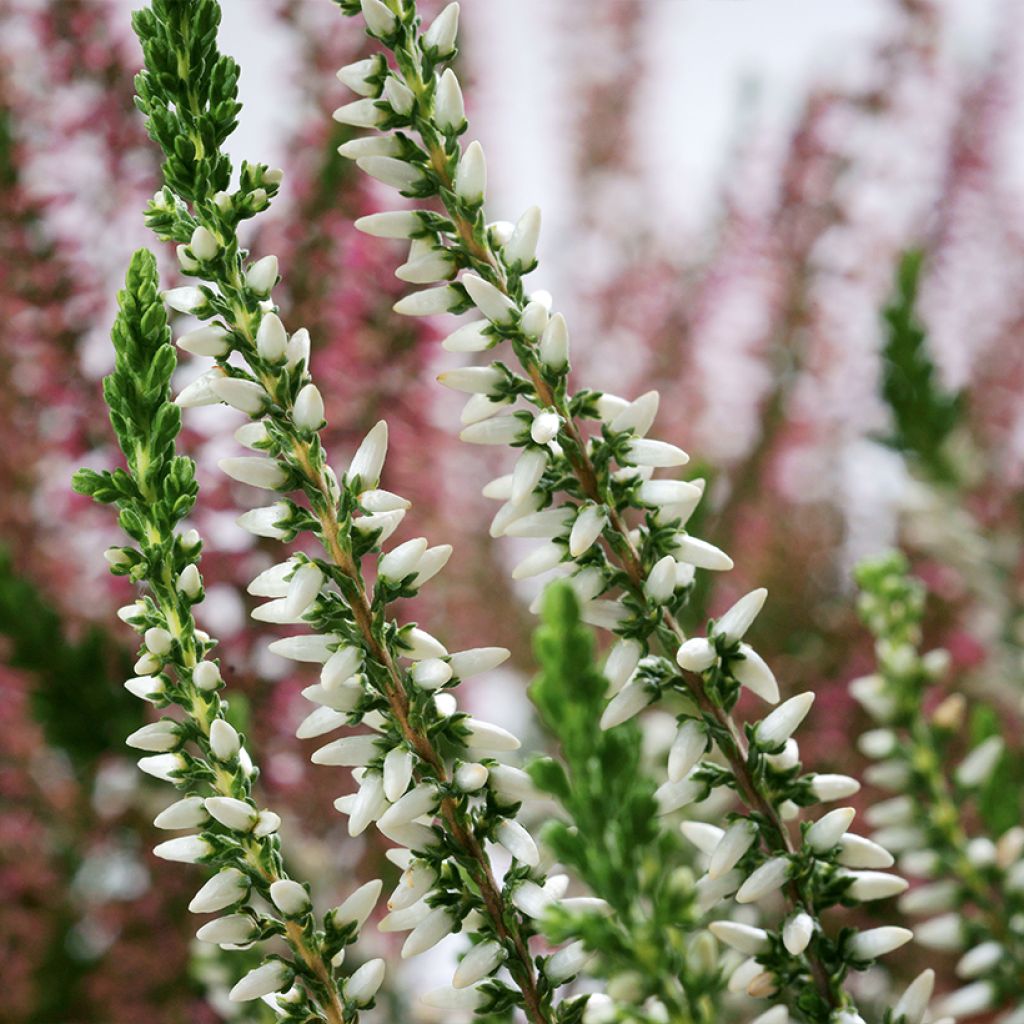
(198,750)
(971,885)
(584,483)
(656,961)
(427,773)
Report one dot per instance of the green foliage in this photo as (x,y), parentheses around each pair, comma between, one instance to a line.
(613,839)
(188,91)
(923,414)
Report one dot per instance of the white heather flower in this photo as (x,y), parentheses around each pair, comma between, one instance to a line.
(913,1004)
(703,835)
(518,842)
(402,561)
(834,787)
(477,660)
(183,849)
(534,322)
(671,796)
(188,812)
(383,524)
(157,737)
(416,881)
(428,933)
(696,655)
(206,676)
(943,933)
(687,749)
(567,963)
(823,835)
(234,814)
(303,589)
(224,740)
(473,380)
(271,339)
(521,248)
(235,930)
(743,937)
(694,550)
(419,644)
(479,962)
(471,175)
(636,417)
(433,561)
(448,998)
(529,469)
(163,766)
(368,461)
(209,340)
(244,395)
(420,800)
(364,113)
(391,171)
(979,764)
(158,640)
(738,838)
(752,671)
(273,976)
(365,982)
(190,583)
(255,471)
(390,224)
(449,108)
(487,736)
(471,337)
(490,300)
(661,581)
(227,887)
(763,881)
(398,96)
(775,728)
(554,343)
(262,275)
(670,492)
(369,804)
(312,647)
(899,810)
(289,897)
(378,17)
(356,76)
(429,302)
(441,35)
(322,720)
(930,899)
(627,703)
(797,933)
(397,772)
(622,660)
(145,688)
(875,885)
(187,299)
(348,752)
(471,776)
(359,905)
(431,673)
(876,942)
(541,560)
(659,454)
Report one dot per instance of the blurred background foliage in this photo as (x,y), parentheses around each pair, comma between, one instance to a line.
(837,337)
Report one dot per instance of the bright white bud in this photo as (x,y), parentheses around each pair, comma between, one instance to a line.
(827,830)
(518,842)
(734,623)
(390,224)
(255,471)
(322,720)
(419,644)
(391,171)
(980,960)
(545,427)
(471,776)
(356,76)
(834,787)
(743,937)
(487,736)
(429,302)
(206,341)
(471,175)
(421,800)
(190,583)
(766,879)
(289,897)
(499,430)
(158,640)
(490,300)
(554,343)
(875,885)
(692,549)
(433,561)
(943,933)
(361,114)
(752,672)
(671,796)
(348,752)
(797,933)
(449,108)
(368,461)
(187,299)
(273,976)
(521,248)
(428,933)
(540,560)
(469,337)
(627,703)
(481,960)
(244,395)
(369,804)
(262,276)
(638,416)
(696,655)
(448,998)
(183,850)
(913,1004)
(440,37)
(738,838)
(308,412)
(365,982)
(657,454)
(777,727)
(589,525)
(163,766)
(235,930)
(876,942)
(399,96)
(224,740)
(534,322)
(234,814)
(402,561)
(477,660)
(621,662)
(661,582)
(226,888)
(397,773)
(967,1001)
(703,835)
(186,813)
(157,737)
(567,963)
(359,905)
(687,749)
(431,673)
(378,17)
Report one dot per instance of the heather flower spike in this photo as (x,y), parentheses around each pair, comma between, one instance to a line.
(621,538)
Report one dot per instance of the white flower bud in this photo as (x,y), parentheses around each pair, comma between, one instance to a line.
(356,76)
(431,673)
(359,905)
(671,796)
(627,703)
(534,323)
(766,879)
(521,248)
(510,785)
(429,302)
(636,417)
(703,835)
(262,276)
(823,835)
(875,885)
(391,224)
(188,299)
(661,581)
(163,766)
(777,727)
(487,736)
(365,982)
(980,960)
(752,672)
(209,340)
(271,339)
(687,749)
(471,175)
(314,647)
(743,937)
(420,800)
(289,897)
(398,96)
(183,849)
(348,752)
(245,395)
(255,471)
(469,337)
(378,17)
(876,942)
(419,645)
(227,887)
(477,660)
(157,737)
(738,838)
(967,1001)
(440,36)
(235,930)
(448,998)
(158,641)
(185,813)
(490,300)
(692,549)
(567,963)
(696,655)
(797,933)
(979,764)
(391,171)
(470,777)
(545,427)
(363,113)
(913,1004)
(479,962)
(273,976)
(206,676)
(540,560)
(401,561)
(943,933)
(449,108)
(834,787)
(224,740)
(234,814)
(499,430)
(519,843)
(428,933)
(368,461)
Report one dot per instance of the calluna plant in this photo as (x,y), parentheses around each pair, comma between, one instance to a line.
(429,776)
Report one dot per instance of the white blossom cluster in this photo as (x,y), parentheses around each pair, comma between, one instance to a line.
(616,530)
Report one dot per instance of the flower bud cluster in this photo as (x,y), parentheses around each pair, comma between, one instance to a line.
(585,484)
(970,886)
(195,747)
